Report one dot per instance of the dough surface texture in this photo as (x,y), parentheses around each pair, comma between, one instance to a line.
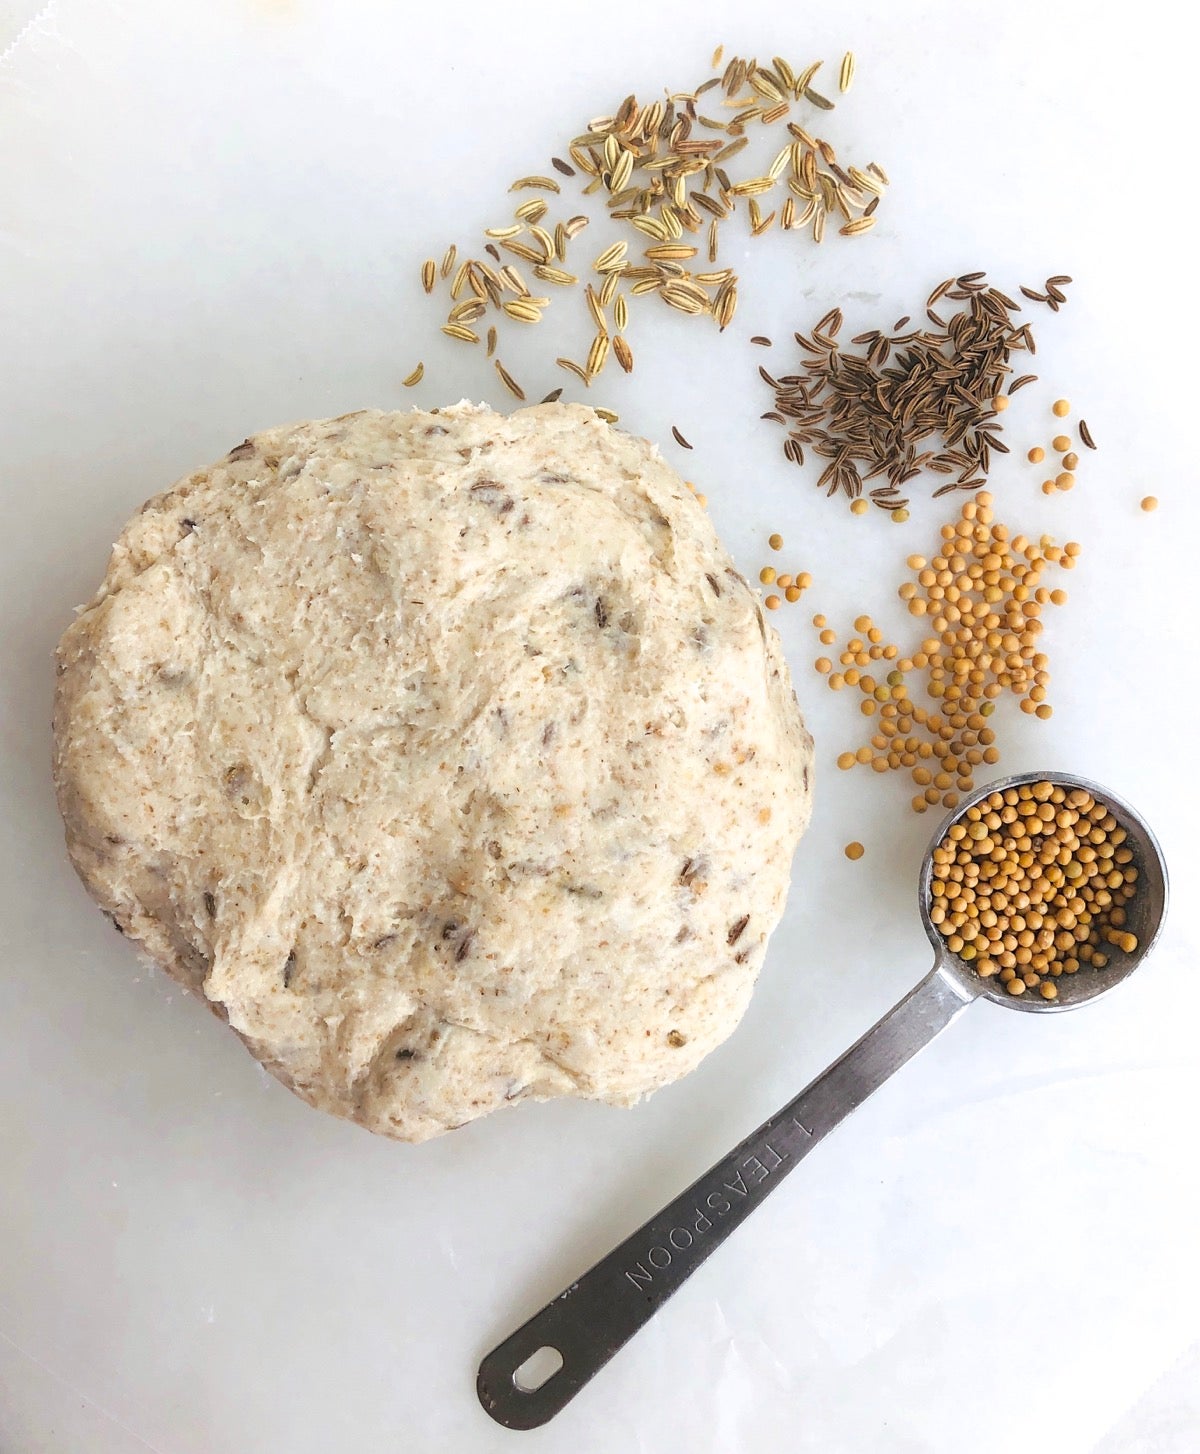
(446,755)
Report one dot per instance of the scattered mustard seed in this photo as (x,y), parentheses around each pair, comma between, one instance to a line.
(854,850)
(1061,408)
(775,542)
(1037,454)
(772,603)
(1150,503)
(1061,443)
(859,506)
(982,595)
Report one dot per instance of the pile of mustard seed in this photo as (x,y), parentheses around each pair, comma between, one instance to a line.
(1032,883)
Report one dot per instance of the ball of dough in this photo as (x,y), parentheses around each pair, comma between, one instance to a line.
(445,754)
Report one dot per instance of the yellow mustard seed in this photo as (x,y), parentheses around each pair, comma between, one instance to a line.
(783,582)
(854,850)
(1013,874)
(772,603)
(793,593)
(767,575)
(1036,455)
(845,760)
(1064,481)
(1061,443)
(859,507)
(775,541)
(1150,502)
(1070,460)
(983,597)
(1061,408)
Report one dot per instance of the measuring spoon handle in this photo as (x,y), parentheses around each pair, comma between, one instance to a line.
(590,1320)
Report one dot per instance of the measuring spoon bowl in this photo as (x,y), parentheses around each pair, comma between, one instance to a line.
(1144,913)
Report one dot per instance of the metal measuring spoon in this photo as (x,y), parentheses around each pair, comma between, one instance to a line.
(536,1371)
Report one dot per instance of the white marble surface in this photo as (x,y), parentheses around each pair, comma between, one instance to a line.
(211,217)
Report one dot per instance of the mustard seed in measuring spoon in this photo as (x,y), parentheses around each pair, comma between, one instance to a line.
(1042,859)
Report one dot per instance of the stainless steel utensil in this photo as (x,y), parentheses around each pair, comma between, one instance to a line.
(536,1371)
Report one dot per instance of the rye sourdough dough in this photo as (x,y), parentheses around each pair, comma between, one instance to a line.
(446,755)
